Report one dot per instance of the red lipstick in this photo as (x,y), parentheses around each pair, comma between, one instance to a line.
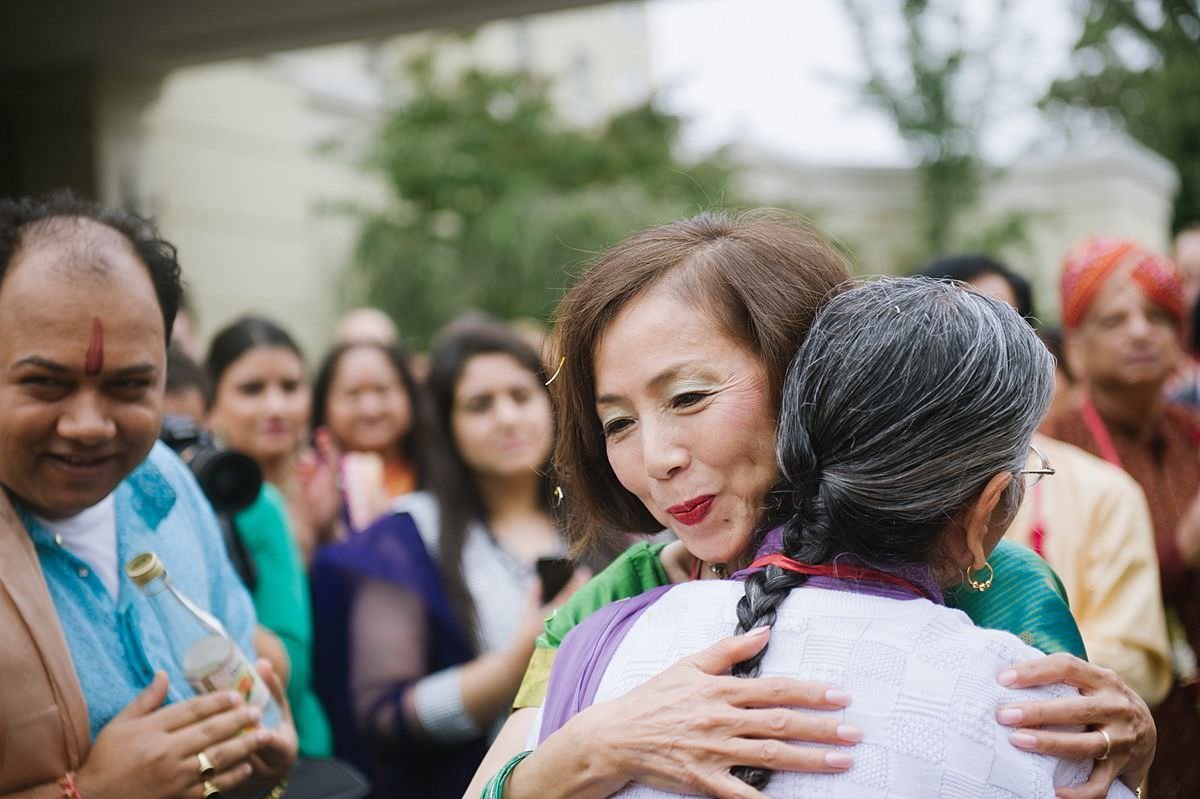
(693,511)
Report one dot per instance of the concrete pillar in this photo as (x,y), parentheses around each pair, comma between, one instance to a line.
(80,128)
(47,131)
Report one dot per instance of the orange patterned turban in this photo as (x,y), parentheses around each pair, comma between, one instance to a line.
(1092,261)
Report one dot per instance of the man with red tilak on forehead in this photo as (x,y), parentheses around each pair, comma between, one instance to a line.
(1123,313)
(92,702)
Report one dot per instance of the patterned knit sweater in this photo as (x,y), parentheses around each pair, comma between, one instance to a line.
(922,678)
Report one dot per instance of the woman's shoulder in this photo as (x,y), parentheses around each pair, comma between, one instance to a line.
(265,522)
(270,497)
(915,646)
(1020,566)
(992,649)
(860,622)
(944,700)
(842,636)
(1026,598)
(268,511)
(986,654)
(1012,555)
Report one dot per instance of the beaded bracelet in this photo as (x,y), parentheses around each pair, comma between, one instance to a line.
(278,791)
(495,786)
(68,787)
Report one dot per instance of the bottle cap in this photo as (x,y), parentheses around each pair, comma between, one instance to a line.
(144,567)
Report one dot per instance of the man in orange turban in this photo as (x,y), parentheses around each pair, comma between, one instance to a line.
(1124,315)
(1090,264)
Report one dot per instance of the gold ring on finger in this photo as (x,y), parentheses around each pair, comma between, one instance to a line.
(210,791)
(1107,744)
(206,766)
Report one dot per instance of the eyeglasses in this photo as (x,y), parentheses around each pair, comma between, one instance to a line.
(1034,476)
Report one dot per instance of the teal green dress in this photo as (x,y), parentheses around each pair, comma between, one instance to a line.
(1026,599)
(281,601)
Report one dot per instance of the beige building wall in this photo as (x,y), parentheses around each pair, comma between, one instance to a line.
(237,184)
(1112,187)
(227,156)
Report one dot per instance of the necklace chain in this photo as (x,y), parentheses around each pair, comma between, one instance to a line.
(720,570)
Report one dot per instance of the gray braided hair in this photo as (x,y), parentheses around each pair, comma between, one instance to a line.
(907,396)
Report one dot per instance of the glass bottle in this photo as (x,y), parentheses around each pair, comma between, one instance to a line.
(210,659)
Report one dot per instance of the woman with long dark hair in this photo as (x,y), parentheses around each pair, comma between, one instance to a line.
(259,407)
(427,618)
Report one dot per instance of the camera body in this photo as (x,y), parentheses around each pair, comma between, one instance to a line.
(231,481)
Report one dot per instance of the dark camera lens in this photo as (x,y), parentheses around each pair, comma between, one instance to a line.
(230,480)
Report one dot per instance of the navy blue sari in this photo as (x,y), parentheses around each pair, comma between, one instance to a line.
(399,764)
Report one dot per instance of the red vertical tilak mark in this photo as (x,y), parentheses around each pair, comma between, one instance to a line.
(93,361)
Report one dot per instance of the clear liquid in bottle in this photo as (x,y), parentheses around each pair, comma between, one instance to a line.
(210,659)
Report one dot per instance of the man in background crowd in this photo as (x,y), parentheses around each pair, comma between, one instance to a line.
(366,324)
(1124,313)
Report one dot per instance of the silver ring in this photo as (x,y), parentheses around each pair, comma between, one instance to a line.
(1107,744)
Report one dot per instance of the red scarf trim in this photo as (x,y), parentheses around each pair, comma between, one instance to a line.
(842,571)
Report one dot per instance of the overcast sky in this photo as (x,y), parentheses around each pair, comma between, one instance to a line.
(780,73)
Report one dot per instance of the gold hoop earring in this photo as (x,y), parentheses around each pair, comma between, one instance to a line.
(980,585)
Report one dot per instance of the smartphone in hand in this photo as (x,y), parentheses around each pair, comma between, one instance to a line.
(554,573)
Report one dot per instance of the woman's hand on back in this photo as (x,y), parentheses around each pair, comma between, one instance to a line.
(1104,703)
(686,728)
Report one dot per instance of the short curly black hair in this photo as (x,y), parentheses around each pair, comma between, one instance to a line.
(24,219)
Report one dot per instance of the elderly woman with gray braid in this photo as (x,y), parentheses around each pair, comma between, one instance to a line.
(904,437)
(674,347)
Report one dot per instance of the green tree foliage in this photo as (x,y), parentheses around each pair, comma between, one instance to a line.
(918,92)
(495,202)
(937,85)
(1138,64)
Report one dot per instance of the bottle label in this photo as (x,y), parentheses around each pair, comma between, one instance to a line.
(214,664)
